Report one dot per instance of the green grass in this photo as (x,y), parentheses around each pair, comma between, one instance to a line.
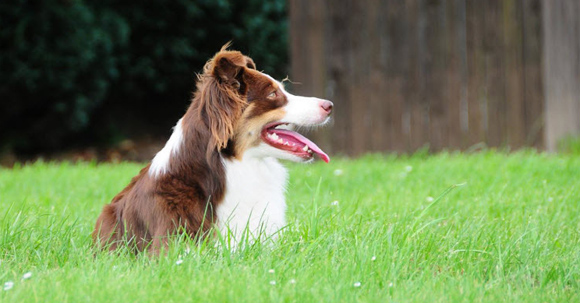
(570,145)
(446,228)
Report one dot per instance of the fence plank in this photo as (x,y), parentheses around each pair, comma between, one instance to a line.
(455,92)
(533,84)
(476,95)
(512,21)
(359,67)
(562,72)
(394,52)
(339,73)
(435,71)
(378,133)
(495,74)
(416,99)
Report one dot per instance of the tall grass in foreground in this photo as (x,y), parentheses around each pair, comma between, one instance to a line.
(445,228)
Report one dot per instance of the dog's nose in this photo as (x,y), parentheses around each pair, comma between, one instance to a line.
(326,106)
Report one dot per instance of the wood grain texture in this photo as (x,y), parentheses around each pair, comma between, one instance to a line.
(447,74)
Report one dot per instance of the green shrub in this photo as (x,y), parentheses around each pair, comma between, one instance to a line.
(58,61)
(76,71)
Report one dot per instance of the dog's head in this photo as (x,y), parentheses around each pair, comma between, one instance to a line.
(248,112)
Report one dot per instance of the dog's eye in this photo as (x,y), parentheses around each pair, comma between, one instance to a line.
(272,95)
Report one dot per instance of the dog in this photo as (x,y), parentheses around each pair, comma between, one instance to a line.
(220,167)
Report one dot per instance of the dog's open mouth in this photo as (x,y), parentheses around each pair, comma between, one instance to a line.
(278,136)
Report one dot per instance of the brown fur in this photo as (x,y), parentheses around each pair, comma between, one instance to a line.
(226,115)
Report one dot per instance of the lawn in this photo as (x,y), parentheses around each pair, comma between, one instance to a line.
(452,227)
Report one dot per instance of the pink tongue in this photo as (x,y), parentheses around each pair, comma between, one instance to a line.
(298,137)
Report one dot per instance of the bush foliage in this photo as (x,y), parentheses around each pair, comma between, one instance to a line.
(99,70)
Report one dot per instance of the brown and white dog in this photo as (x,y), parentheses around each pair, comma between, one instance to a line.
(220,166)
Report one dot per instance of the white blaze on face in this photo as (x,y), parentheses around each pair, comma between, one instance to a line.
(304,111)
(160,163)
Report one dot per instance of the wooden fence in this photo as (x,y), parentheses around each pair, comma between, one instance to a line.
(453,74)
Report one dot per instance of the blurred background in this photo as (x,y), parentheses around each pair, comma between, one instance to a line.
(108,79)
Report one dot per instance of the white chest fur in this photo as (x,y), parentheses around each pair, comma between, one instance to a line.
(254,204)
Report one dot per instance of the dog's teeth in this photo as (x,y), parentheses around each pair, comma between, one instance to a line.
(280,141)
(273,136)
(305,148)
(286,143)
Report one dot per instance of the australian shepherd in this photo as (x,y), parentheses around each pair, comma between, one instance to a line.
(220,167)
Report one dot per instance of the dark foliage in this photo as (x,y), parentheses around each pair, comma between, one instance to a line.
(104,70)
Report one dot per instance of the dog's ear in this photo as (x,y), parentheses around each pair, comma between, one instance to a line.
(224,96)
(229,68)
